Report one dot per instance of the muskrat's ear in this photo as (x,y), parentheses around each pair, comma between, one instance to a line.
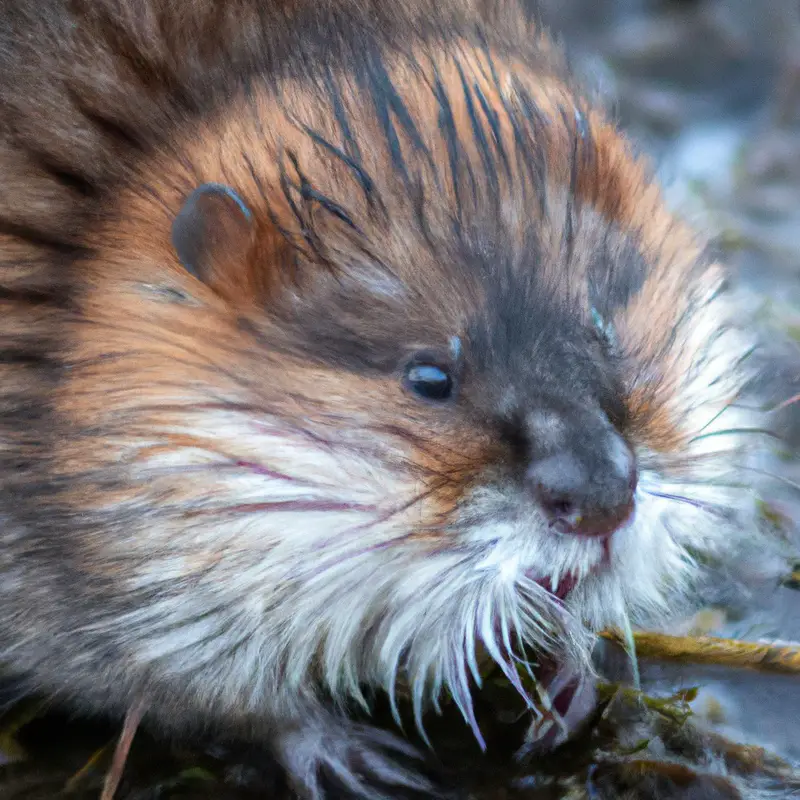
(212,231)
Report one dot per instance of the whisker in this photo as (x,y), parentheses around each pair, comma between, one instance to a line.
(703,483)
(734,431)
(690,461)
(260,469)
(404,507)
(766,473)
(287,505)
(695,503)
(419,441)
(716,416)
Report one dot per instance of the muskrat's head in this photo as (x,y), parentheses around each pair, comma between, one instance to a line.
(373,374)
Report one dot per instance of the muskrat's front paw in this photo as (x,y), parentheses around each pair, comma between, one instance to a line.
(365,761)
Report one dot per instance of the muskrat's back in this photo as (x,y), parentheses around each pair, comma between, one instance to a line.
(338,343)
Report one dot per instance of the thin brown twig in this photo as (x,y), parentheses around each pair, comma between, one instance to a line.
(129,727)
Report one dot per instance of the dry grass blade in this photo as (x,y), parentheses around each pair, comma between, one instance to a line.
(114,775)
(783,658)
(94,760)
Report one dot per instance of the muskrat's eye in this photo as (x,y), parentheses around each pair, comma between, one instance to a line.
(429,381)
(604,328)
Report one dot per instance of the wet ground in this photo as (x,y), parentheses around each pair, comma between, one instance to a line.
(711,89)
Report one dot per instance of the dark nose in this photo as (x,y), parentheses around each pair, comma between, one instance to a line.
(585,496)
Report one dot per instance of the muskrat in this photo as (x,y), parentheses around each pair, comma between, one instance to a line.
(340,341)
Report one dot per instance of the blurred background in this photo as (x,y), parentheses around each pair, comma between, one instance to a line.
(711,90)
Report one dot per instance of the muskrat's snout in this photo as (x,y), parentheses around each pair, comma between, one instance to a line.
(584,479)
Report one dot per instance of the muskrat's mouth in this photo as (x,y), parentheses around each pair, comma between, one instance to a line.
(572,699)
(560,590)
(566,583)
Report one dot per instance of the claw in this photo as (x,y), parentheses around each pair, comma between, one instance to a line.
(355,756)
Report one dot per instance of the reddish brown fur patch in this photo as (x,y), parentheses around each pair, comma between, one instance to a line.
(129,341)
(163,346)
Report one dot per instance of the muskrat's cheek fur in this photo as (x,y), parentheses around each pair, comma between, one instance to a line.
(339,350)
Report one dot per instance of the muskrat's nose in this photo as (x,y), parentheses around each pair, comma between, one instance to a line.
(587,497)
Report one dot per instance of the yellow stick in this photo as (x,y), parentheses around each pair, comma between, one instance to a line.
(713,650)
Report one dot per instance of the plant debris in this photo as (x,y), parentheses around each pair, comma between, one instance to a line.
(632,745)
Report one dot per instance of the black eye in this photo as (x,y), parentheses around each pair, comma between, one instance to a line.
(429,382)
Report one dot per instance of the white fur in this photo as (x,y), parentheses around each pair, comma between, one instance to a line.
(245,607)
